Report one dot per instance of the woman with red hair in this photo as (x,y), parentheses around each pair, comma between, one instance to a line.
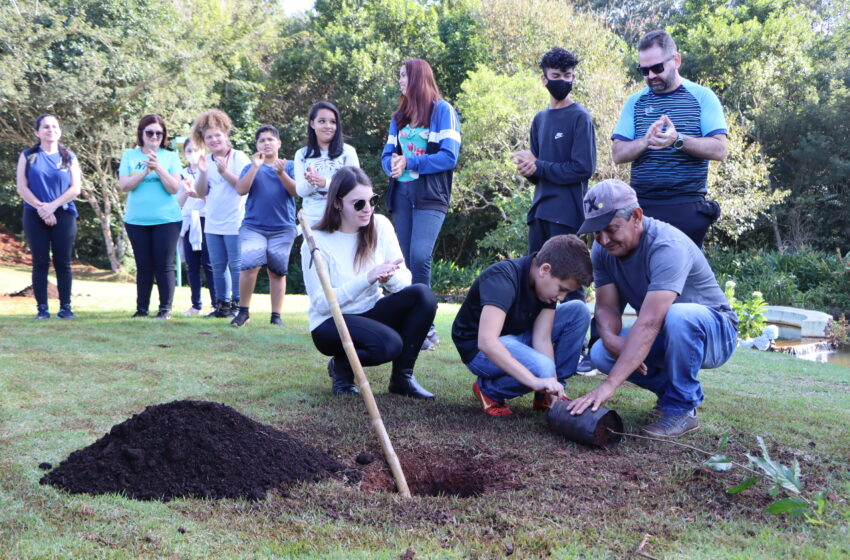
(419,156)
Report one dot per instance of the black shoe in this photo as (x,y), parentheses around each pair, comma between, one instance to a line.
(343,379)
(163,315)
(42,313)
(214,311)
(140,313)
(402,382)
(242,318)
(234,308)
(222,311)
(65,312)
(275,320)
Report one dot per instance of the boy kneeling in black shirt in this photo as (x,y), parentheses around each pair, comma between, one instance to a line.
(511,334)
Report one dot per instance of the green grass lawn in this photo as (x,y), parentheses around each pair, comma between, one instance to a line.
(63,384)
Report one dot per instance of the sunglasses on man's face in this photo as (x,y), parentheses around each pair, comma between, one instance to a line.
(361,204)
(153,133)
(655,68)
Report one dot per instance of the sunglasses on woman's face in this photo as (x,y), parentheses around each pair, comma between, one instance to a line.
(153,133)
(361,204)
(655,68)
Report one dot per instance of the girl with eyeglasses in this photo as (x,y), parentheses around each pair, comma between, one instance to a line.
(419,156)
(218,172)
(364,259)
(324,154)
(150,173)
(49,179)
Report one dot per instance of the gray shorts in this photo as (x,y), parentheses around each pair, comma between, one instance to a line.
(269,248)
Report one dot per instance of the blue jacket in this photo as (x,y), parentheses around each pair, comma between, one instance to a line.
(436,165)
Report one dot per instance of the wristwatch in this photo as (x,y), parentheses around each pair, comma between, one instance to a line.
(679,143)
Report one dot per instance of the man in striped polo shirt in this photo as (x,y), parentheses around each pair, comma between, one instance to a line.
(669,131)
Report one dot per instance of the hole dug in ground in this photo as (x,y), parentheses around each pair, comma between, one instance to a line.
(431,472)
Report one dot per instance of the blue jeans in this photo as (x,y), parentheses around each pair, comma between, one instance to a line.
(226,259)
(571,321)
(693,337)
(417,231)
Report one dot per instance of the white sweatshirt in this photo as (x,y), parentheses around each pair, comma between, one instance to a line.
(353,291)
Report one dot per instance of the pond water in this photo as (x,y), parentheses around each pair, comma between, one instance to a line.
(840,357)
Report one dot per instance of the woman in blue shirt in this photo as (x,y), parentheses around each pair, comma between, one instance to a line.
(151,174)
(49,179)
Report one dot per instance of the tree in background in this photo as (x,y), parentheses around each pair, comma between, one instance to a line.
(100,66)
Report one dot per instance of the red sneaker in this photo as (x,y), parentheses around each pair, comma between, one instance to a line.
(490,406)
(542,401)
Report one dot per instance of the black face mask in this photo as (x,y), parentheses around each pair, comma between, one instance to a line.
(559,89)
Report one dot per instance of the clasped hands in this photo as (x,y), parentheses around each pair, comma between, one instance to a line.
(279,165)
(315,178)
(46,213)
(661,134)
(526,162)
(384,271)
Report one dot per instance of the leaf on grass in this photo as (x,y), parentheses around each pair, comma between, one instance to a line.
(748,482)
(719,463)
(793,506)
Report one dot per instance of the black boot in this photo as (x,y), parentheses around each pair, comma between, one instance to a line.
(343,379)
(223,310)
(402,382)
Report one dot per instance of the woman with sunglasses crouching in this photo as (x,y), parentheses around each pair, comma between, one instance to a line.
(364,259)
(150,173)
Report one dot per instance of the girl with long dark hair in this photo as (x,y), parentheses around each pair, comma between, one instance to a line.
(364,259)
(419,156)
(49,179)
(316,163)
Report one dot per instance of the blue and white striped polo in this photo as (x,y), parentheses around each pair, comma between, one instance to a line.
(670,174)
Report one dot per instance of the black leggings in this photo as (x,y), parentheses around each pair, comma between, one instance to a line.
(41,238)
(691,218)
(392,331)
(154,248)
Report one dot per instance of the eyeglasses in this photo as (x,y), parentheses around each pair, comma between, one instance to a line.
(153,133)
(361,204)
(655,68)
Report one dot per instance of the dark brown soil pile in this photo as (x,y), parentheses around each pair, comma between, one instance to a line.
(192,448)
(52,292)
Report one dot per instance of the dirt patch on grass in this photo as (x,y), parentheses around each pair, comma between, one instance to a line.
(52,292)
(193,448)
(12,250)
(441,472)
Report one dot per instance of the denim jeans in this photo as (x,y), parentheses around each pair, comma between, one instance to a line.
(195,261)
(568,331)
(226,259)
(417,231)
(693,337)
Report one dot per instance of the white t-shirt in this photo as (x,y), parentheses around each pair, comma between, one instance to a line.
(314,199)
(353,291)
(225,208)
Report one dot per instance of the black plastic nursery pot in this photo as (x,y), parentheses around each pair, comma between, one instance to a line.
(588,428)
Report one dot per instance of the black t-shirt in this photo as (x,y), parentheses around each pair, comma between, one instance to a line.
(505,285)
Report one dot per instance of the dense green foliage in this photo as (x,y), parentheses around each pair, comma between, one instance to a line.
(782,70)
(810,279)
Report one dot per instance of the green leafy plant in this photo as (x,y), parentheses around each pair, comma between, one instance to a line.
(782,479)
(750,311)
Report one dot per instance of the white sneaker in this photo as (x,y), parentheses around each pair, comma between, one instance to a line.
(192,311)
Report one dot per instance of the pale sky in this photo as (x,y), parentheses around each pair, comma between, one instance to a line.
(293,6)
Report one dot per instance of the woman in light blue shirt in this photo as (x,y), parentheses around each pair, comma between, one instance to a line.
(150,173)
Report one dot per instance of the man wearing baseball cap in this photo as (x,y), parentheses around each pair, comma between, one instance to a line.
(684,324)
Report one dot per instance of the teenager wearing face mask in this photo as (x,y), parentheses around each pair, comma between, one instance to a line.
(562,157)
(192,234)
